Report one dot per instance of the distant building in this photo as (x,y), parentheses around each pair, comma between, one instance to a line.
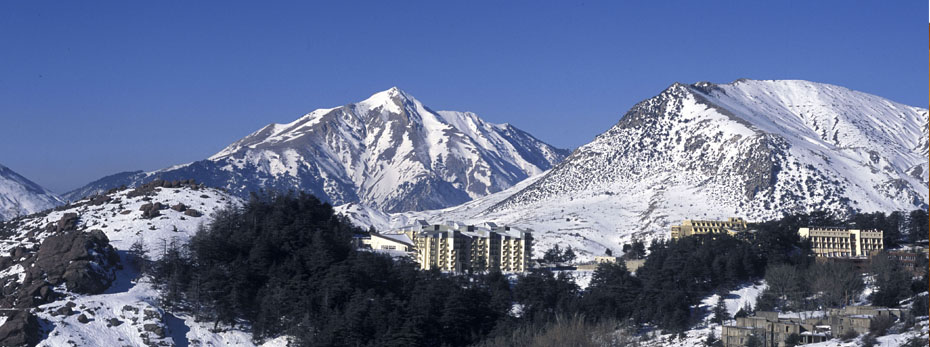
(688,227)
(601,259)
(457,247)
(843,242)
(773,331)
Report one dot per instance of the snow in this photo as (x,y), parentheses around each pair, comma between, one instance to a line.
(20,196)
(751,149)
(735,299)
(132,300)
(121,219)
(389,151)
(16,269)
(134,303)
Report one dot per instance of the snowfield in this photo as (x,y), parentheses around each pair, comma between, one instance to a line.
(20,196)
(128,313)
(752,149)
(389,151)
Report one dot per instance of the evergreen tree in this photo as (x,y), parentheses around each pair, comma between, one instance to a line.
(892,280)
(568,256)
(918,227)
(712,340)
(720,311)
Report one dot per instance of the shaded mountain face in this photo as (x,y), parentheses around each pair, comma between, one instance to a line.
(753,148)
(20,196)
(389,151)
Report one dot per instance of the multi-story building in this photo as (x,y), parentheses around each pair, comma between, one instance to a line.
(843,242)
(688,227)
(457,247)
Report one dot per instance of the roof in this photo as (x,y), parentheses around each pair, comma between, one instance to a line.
(401,238)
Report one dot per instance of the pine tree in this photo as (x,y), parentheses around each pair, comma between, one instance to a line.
(712,340)
(720,311)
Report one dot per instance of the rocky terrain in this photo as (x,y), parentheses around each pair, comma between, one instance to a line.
(389,151)
(66,275)
(755,149)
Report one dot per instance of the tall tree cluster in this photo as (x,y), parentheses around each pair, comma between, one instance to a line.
(284,265)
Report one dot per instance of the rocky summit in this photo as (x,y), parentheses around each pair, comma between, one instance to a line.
(389,151)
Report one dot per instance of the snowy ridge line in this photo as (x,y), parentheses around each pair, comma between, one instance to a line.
(752,149)
(389,151)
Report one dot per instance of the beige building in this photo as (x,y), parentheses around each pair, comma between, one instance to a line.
(601,259)
(842,242)
(773,331)
(688,227)
(457,247)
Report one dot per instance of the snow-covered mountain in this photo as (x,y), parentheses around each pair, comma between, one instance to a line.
(755,149)
(20,196)
(389,151)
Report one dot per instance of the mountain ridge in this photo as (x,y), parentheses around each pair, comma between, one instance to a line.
(389,151)
(20,196)
(754,149)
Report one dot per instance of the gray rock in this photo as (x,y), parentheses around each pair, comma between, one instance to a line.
(21,329)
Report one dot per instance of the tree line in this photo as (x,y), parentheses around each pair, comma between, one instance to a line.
(283,264)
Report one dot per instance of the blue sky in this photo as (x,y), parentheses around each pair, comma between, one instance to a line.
(88,89)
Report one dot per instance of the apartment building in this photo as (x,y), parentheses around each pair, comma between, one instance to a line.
(843,242)
(688,227)
(457,247)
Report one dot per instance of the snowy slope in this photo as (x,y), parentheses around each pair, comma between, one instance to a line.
(20,196)
(128,313)
(389,151)
(755,149)
(118,215)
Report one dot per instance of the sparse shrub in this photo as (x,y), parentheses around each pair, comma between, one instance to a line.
(849,335)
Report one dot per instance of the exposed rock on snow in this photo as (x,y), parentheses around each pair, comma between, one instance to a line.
(389,151)
(83,261)
(754,149)
(20,196)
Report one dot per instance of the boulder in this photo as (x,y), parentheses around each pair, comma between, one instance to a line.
(84,261)
(156,329)
(63,311)
(67,222)
(192,213)
(20,329)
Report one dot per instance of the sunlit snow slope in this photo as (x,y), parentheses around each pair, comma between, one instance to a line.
(755,149)
(20,196)
(389,151)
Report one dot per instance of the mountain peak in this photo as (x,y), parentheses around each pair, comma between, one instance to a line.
(19,196)
(391,100)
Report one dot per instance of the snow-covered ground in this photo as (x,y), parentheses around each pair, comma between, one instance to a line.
(122,221)
(752,149)
(20,196)
(129,313)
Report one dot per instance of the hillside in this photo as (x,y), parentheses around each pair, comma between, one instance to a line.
(389,151)
(20,196)
(755,149)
